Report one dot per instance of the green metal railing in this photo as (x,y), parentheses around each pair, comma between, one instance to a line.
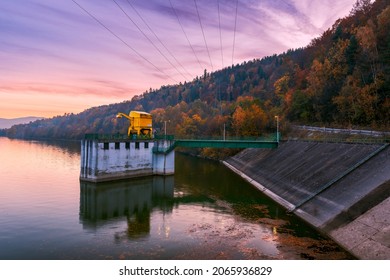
(271,137)
(265,142)
(235,144)
(268,142)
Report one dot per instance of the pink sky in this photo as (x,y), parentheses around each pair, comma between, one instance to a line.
(66,56)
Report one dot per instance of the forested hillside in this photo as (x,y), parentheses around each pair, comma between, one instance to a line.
(341,78)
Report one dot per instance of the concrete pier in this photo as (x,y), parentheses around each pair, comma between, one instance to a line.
(163,157)
(114,159)
(341,189)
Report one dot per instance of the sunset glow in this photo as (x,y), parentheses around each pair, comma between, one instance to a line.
(66,56)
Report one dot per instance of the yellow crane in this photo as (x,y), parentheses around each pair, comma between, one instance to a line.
(140,123)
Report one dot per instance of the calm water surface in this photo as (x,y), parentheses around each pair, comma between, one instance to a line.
(204,211)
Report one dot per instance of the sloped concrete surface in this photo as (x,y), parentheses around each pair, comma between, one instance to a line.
(298,170)
(301,176)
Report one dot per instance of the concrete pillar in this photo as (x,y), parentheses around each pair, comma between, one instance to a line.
(164,164)
(164,158)
(88,165)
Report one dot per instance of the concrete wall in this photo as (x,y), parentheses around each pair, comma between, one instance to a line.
(327,184)
(113,160)
(164,164)
(164,158)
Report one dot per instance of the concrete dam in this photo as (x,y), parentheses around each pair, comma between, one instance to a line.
(342,189)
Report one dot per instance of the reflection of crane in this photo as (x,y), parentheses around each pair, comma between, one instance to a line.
(140,123)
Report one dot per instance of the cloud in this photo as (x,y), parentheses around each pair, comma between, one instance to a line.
(87,88)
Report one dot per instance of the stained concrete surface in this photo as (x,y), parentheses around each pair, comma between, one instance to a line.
(298,170)
(295,175)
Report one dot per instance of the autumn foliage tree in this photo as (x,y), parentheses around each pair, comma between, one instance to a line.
(249,119)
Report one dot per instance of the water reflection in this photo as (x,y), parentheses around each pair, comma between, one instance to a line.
(71,147)
(203,212)
(134,199)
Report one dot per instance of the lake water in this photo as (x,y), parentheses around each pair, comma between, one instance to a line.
(204,211)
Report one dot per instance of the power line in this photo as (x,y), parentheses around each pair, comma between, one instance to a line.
(234,36)
(120,39)
(150,41)
(220,32)
(204,37)
(218,80)
(155,35)
(192,48)
(288,4)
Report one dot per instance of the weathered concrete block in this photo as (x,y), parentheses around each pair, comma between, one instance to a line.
(103,160)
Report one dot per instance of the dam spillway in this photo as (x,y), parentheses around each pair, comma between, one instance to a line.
(329,185)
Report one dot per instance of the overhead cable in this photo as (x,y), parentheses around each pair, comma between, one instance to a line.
(147,38)
(155,35)
(204,37)
(185,34)
(220,32)
(234,36)
(124,42)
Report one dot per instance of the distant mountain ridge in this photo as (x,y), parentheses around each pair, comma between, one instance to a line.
(8,123)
